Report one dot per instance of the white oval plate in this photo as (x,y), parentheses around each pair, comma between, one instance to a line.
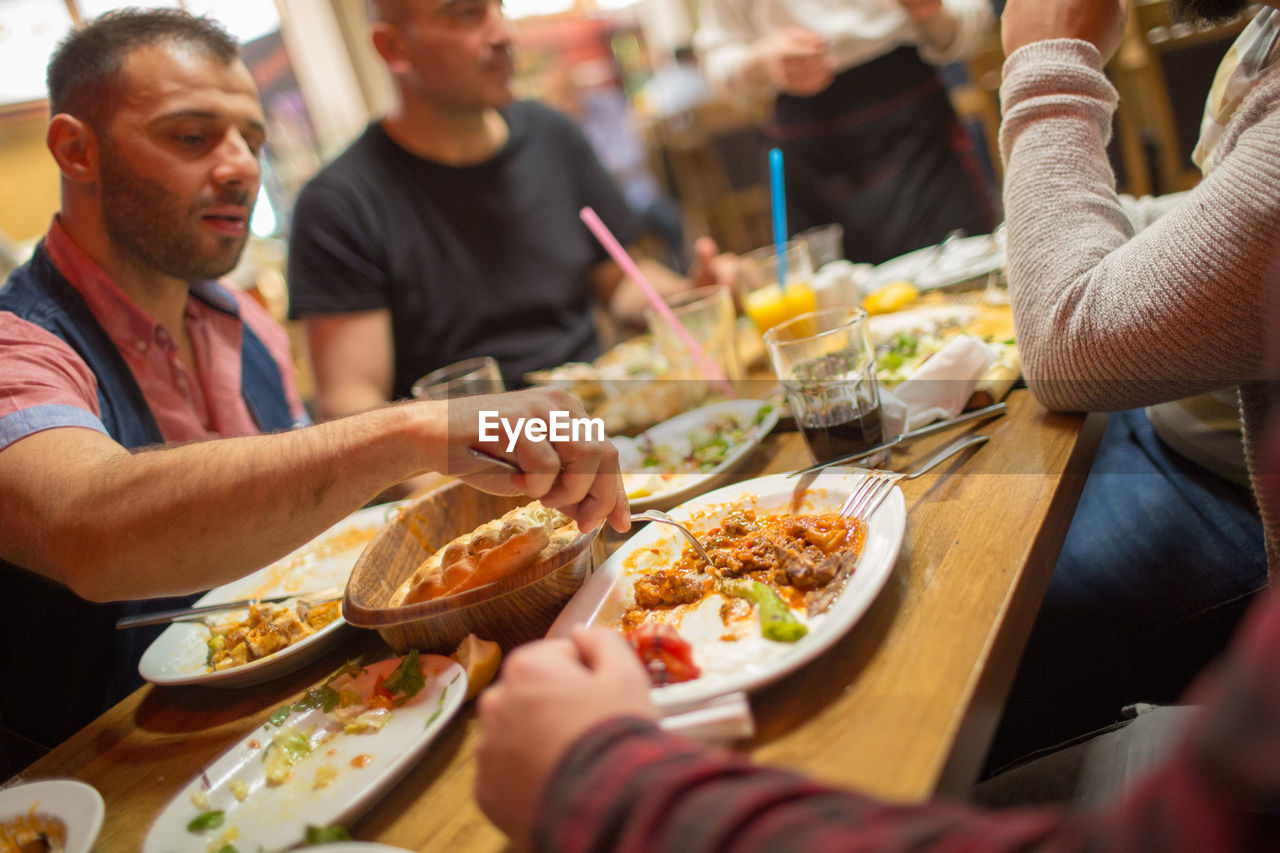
(77,805)
(676,430)
(179,654)
(276,817)
(749,663)
(964,259)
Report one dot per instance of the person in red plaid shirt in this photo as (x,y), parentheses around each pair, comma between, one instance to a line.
(571,759)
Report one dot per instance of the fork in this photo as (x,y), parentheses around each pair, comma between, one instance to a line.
(875,487)
(662,518)
(161,616)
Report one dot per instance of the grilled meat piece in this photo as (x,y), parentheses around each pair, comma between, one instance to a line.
(757,555)
(817,600)
(808,568)
(666,587)
(739,523)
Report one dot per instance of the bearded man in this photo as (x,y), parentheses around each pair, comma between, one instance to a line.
(159,174)
(117,336)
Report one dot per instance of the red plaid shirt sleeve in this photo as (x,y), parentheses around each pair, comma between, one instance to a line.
(628,787)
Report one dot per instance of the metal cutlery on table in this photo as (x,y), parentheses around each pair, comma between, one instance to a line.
(662,518)
(875,487)
(992,411)
(161,616)
(932,256)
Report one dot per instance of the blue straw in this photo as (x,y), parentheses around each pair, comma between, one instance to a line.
(779,198)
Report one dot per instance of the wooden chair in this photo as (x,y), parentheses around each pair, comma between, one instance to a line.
(978,99)
(714,156)
(1164,71)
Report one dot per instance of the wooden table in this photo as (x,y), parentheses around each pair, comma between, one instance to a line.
(903,706)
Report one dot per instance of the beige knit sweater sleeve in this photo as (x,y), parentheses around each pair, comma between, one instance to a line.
(1107,318)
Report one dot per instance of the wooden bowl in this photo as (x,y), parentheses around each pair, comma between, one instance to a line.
(514,610)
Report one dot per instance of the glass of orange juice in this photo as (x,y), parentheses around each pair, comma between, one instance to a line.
(765,299)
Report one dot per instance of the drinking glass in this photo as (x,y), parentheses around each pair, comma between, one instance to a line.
(707,314)
(825,242)
(461,379)
(826,363)
(768,302)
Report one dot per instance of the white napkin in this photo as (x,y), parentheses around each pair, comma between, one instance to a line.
(939,388)
(839,284)
(720,720)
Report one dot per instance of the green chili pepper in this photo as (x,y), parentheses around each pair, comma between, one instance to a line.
(777,622)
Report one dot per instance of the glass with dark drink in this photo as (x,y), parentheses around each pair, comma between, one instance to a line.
(840,431)
(827,365)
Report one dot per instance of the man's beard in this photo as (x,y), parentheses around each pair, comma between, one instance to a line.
(151,225)
(1207,11)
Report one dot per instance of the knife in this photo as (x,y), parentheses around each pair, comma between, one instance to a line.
(993,411)
(495,461)
(169,615)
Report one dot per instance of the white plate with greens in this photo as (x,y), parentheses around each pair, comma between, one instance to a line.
(180,655)
(307,767)
(691,453)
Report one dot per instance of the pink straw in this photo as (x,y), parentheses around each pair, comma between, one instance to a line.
(706,366)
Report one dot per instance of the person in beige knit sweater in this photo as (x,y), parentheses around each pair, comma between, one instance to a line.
(1110,316)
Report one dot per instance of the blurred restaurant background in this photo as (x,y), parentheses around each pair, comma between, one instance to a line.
(611,64)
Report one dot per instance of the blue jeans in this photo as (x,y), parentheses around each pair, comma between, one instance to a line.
(1160,562)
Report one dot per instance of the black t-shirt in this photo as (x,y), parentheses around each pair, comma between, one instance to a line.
(489,259)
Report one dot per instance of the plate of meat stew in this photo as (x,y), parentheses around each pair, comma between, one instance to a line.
(790,578)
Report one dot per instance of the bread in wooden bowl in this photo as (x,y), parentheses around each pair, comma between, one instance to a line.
(422,582)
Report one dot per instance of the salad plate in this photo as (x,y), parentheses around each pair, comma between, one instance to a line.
(743,663)
(180,654)
(55,806)
(312,767)
(691,453)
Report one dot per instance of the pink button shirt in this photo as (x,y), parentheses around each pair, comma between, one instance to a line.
(44,384)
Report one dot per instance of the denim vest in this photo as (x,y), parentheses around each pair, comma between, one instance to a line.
(62,661)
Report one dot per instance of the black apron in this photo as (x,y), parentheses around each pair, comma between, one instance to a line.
(880,151)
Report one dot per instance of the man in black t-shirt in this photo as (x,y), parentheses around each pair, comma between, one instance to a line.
(450,228)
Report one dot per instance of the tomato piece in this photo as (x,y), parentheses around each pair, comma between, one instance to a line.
(380,696)
(666,655)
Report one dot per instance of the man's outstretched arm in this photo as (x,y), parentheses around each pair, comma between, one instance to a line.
(112,524)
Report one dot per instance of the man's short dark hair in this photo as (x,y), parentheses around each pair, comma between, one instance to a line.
(87,62)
